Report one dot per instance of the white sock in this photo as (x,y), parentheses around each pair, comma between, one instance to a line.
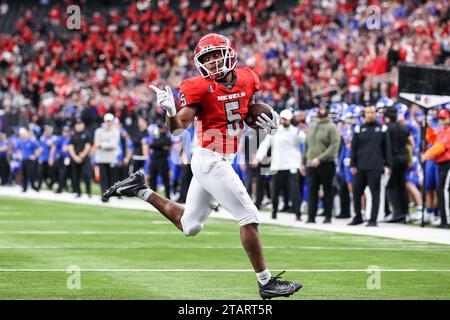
(144,194)
(264,276)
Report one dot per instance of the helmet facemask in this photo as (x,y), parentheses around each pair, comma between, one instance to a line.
(223,65)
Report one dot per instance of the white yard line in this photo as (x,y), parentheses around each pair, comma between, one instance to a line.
(394,231)
(215,247)
(224,270)
(90,222)
(91,232)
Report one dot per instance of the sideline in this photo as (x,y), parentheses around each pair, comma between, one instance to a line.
(387,230)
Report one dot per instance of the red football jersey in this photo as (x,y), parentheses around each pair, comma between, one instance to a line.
(221,110)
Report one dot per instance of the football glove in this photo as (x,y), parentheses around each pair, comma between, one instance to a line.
(165,99)
(270,126)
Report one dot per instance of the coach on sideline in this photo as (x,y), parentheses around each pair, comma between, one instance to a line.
(286,159)
(440,152)
(370,153)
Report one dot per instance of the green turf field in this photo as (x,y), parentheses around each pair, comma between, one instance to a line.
(128,254)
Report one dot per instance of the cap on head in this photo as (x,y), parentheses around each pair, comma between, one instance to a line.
(443,114)
(108,117)
(286,114)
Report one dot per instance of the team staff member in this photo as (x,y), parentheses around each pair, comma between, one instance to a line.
(320,152)
(29,151)
(106,144)
(285,162)
(440,152)
(79,148)
(399,138)
(370,154)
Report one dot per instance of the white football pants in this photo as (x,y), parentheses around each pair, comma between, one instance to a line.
(214,180)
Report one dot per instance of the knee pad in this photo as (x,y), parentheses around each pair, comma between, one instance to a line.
(190,230)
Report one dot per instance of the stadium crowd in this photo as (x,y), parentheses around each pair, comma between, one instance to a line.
(59,86)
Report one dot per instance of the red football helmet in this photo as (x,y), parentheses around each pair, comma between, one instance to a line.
(215,42)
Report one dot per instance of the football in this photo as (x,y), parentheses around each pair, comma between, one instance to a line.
(254,110)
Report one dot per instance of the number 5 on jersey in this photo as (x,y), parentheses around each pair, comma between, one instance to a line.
(233,128)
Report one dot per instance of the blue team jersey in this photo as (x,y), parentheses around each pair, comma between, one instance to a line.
(28,148)
(60,142)
(45,143)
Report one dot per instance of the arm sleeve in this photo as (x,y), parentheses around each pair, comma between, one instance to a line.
(435,151)
(440,146)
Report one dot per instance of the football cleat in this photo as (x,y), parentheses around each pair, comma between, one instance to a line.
(128,187)
(278,288)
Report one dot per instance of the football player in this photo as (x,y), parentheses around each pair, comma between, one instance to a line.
(218,99)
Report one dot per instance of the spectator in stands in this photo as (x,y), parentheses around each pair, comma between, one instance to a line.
(4,7)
